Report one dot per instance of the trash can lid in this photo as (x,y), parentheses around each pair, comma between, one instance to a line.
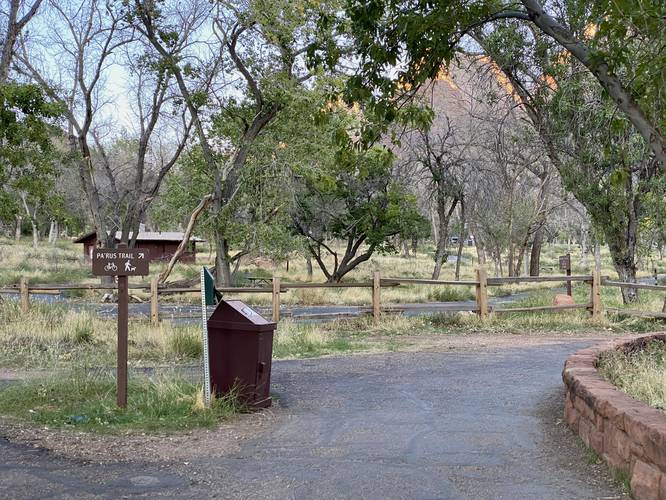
(235,314)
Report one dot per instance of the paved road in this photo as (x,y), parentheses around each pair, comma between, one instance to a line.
(397,425)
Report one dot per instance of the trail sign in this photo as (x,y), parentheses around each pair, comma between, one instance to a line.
(120,262)
(565,262)
(565,265)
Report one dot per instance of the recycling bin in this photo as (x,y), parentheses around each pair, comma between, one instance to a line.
(240,346)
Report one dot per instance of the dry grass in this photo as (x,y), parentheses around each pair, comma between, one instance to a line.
(51,336)
(64,264)
(640,373)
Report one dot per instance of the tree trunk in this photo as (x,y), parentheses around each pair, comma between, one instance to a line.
(52,232)
(498,254)
(308,267)
(433,222)
(186,237)
(461,238)
(627,273)
(222,263)
(405,249)
(17,232)
(535,254)
(478,243)
(583,248)
(35,234)
(443,230)
(624,263)
(526,267)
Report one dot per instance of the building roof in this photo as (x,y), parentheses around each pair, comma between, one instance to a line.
(145,236)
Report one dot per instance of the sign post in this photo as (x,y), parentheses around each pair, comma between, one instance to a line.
(121,262)
(565,265)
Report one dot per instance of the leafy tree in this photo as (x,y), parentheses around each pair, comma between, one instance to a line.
(27,171)
(353,200)
(602,159)
(261,45)
(418,37)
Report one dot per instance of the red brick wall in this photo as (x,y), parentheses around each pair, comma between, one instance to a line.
(628,434)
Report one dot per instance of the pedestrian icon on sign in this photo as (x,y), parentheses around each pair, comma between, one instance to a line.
(129,267)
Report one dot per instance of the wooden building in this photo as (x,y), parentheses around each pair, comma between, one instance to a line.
(160,245)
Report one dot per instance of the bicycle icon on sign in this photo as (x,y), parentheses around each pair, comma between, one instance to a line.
(111,266)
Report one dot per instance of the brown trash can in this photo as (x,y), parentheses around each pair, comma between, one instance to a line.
(240,345)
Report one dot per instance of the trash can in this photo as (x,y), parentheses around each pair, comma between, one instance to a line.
(240,346)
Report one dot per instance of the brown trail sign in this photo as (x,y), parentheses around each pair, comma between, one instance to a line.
(121,262)
(565,265)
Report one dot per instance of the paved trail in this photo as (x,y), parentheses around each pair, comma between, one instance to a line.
(396,425)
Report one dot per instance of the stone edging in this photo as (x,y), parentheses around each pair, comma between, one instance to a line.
(628,434)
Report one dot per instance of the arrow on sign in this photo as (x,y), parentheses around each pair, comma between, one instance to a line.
(142,255)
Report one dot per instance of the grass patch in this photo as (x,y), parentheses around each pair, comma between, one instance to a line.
(51,336)
(186,343)
(641,373)
(311,340)
(451,294)
(88,402)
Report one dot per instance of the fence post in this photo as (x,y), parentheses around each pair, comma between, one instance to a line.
(154,304)
(24,297)
(482,292)
(596,294)
(276,299)
(376,295)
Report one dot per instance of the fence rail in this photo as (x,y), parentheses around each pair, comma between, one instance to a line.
(642,286)
(536,279)
(481,284)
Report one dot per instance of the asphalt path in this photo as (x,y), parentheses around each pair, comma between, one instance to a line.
(188,313)
(471,424)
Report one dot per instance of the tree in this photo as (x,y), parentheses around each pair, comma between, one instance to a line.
(600,157)
(355,201)
(262,44)
(616,51)
(441,161)
(26,152)
(93,41)
(14,25)
(421,36)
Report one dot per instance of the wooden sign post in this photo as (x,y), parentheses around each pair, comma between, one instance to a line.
(565,265)
(121,262)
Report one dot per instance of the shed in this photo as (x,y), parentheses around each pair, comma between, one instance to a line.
(160,244)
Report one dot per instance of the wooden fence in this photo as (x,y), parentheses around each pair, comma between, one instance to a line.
(481,284)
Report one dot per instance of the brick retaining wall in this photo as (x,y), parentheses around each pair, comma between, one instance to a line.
(628,434)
